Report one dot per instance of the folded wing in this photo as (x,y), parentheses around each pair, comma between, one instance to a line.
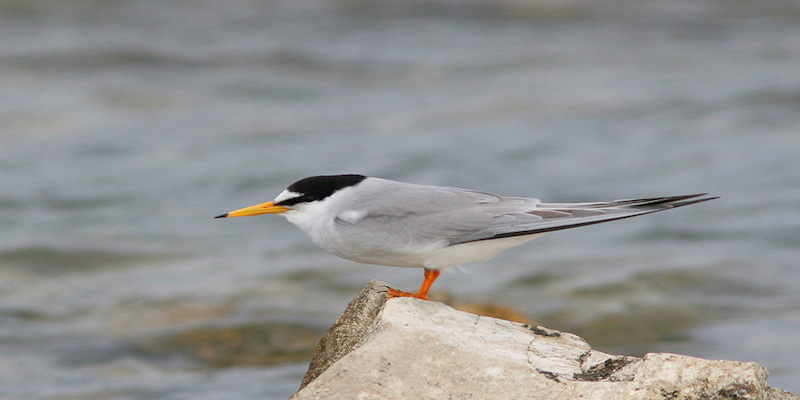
(414,216)
(548,217)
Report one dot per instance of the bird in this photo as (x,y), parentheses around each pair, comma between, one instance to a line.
(385,222)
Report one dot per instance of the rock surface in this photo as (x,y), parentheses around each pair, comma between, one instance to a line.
(412,349)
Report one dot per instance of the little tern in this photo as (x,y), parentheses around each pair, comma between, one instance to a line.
(384,222)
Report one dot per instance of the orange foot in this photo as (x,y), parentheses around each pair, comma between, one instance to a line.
(399,293)
(430,276)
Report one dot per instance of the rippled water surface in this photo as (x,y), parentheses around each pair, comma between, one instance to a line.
(126,126)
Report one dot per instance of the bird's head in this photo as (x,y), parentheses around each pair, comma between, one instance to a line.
(298,194)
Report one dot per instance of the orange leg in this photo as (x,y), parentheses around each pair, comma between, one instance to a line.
(430,276)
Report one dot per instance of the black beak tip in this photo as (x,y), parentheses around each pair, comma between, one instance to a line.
(222,216)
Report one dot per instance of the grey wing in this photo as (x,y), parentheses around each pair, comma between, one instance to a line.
(548,217)
(413,215)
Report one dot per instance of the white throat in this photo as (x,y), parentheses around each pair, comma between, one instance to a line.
(317,219)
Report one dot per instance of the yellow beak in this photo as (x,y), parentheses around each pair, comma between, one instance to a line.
(266,208)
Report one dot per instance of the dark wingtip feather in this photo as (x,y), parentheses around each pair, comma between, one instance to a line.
(673,201)
(680,203)
(643,207)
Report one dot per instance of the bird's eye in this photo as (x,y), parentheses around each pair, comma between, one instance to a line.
(292,201)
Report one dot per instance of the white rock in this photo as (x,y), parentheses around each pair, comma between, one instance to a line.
(412,349)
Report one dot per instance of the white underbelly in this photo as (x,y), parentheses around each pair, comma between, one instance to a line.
(473,251)
(442,257)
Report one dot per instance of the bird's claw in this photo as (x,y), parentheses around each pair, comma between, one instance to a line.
(399,293)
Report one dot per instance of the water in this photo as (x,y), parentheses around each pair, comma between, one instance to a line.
(126,126)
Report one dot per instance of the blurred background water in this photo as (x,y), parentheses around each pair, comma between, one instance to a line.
(126,126)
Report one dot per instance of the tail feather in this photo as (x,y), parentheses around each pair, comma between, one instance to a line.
(559,216)
(671,201)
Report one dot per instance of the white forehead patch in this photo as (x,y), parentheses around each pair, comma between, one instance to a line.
(285,195)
